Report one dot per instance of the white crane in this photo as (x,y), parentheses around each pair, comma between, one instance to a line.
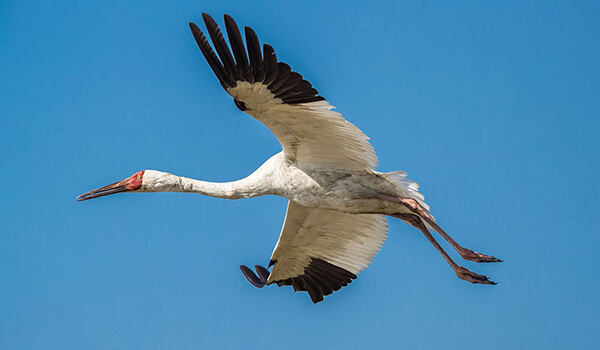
(336,216)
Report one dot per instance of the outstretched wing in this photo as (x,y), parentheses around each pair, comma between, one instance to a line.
(311,134)
(321,251)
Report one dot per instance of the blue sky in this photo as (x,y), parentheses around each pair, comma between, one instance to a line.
(492,107)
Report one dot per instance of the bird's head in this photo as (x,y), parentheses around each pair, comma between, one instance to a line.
(131,184)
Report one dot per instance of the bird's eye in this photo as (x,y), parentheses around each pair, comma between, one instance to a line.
(139,177)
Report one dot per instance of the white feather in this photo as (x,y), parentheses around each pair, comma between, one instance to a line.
(349,241)
(311,134)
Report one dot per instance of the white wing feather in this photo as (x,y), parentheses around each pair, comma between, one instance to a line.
(319,250)
(348,241)
(311,134)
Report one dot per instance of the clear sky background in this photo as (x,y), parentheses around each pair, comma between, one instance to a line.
(491,106)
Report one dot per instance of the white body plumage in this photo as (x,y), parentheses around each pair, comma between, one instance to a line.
(345,191)
(335,222)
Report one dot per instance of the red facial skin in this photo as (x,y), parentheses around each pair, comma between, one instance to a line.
(135,181)
(131,183)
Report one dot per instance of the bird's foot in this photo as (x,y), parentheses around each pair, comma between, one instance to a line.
(472,277)
(257,281)
(470,255)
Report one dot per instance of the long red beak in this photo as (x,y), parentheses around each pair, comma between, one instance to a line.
(119,186)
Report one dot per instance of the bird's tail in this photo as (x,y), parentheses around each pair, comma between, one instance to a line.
(407,188)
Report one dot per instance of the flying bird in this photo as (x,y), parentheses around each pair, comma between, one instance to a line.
(338,203)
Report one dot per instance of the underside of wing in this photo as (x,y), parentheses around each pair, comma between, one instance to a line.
(321,251)
(310,133)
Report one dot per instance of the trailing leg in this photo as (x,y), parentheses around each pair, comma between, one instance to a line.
(416,208)
(460,271)
(465,253)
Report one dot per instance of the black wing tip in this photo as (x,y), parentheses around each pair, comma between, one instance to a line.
(262,273)
(320,278)
(269,48)
(230,22)
(249,31)
(194,27)
(251,277)
(262,68)
(209,21)
(228,18)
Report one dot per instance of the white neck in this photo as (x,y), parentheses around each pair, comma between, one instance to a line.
(251,186)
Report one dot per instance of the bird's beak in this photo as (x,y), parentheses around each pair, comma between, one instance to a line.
(119,186)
